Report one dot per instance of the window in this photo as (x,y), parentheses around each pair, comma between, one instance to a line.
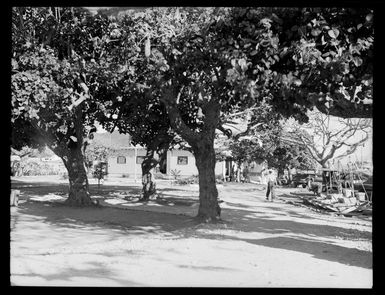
(182,160)
(121,160)
(139,159)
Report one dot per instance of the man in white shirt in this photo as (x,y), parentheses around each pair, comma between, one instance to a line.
(271,182)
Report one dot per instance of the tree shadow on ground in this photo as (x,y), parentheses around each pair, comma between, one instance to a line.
(257,221)
(299,236)
(280,211)
(68,274)
(107,217)
(43,188)
(319,250)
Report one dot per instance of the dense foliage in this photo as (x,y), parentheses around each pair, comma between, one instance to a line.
(185,71)
(53,57)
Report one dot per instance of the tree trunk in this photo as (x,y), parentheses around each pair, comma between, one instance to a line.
(202,144)
(209,209)
(77,175)
(149,187)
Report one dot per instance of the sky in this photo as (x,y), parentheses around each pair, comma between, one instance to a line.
(94,9)
(366,150)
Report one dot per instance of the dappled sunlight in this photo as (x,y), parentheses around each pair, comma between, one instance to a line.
(115,201)
(127,241)
(47,198)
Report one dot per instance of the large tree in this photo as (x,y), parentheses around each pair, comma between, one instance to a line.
(124,102)
(204,64)
(53,50)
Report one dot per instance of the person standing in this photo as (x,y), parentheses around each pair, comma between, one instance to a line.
(271,182)
(246,177)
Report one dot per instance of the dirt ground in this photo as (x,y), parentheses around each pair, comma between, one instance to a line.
(127,243)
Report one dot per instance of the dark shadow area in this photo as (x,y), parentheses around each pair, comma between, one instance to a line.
(284,211)
(106,218)
(98,271)
(336,253)
(172,201)
(265,223)
(113,190)
(215,268)
(42,188)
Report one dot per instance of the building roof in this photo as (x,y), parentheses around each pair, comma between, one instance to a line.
(113,140)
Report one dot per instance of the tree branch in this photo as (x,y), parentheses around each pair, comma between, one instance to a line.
(169,99)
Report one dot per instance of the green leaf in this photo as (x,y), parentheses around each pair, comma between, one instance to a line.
(315,32)
(147,47)
(336,32)
(332,34)
(14,63)
(357,61)
(297,82)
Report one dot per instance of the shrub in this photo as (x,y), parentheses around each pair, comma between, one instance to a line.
(188,180)
(219,179)
(159,175)
(33,167)
(175,173)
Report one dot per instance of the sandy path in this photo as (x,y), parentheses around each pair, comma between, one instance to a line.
(260,244)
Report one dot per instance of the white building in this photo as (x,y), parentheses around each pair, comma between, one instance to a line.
(127,163)
(125,160)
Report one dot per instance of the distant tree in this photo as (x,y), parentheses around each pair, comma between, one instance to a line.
(287,156)
(265,139)
(117,11)
(254,133)
(96,152)
(326,139)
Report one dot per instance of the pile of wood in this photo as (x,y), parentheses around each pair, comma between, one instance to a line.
(341,203)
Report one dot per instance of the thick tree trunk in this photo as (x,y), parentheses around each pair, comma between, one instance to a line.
(202,144)
(149,187)
(77,175)
(209,209)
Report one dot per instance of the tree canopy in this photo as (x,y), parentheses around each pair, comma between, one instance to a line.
(54,50)
(204,64)
(189,69)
